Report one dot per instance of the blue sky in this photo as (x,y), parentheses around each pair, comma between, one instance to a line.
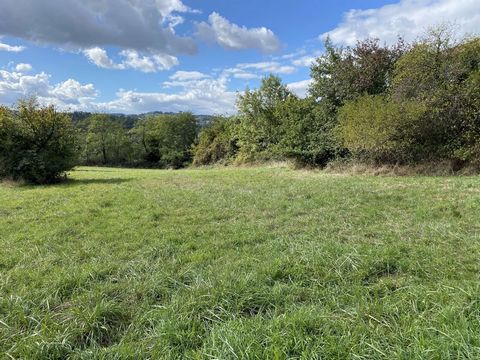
(136,56)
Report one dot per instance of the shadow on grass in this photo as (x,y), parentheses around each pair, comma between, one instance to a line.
(74,182)
(99,169)
(63,182)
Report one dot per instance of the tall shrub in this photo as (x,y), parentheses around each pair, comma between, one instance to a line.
(37,144)
(216,142)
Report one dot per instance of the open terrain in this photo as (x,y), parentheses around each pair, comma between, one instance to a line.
(240,263)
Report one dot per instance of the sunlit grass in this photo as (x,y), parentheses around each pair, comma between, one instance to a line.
(240,263)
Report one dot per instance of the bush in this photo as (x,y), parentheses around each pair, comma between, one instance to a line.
(216,142)
(430,111)
(307,135)
(37,144)
(379,129)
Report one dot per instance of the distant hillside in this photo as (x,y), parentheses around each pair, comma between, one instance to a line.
(128,121)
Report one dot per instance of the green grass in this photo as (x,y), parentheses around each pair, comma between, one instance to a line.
(257,263)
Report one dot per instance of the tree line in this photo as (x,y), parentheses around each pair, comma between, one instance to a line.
(374,103)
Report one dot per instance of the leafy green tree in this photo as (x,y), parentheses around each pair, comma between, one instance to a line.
(431,113)
(37,144)
(307,131)
(106,141)
(166,140)
(343,74)
(259,127)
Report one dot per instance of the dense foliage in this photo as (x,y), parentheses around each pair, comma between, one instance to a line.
(217,142)
(162,140)
(165,140)
(37,144)
(400,104)
(429,112)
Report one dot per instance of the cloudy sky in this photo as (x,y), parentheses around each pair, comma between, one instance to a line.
(136,56)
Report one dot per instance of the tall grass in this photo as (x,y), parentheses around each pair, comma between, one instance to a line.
(246,263)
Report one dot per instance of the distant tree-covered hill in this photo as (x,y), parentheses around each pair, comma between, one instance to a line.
(128,120)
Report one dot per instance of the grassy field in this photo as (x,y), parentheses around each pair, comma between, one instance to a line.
(254,263)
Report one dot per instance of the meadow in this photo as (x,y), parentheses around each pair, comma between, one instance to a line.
(240,263)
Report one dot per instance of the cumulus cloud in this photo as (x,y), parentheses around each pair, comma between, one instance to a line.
(188,75)
(167,7)
(99,57)
(233,37)
(405,18)
(11,48)
(144,26)
(151,63)
(304,61)
(15,84)
(245,75)
(22,67)
(250,71)
(201,95)
(70,93)
(300,88)
(132,60)
(240,74)
(204,96)
(268,67)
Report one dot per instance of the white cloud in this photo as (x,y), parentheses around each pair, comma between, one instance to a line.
(71,91)
(239,74)
(145,26)
(268,67)
(22,67)
(151,63)
(132,60)
(99,57)
(199,95)
(250,71)
(167,7)
(205,96)
(188,75)
(15,84)
(11,48)
(67,94)
(300,88)
(245,75)
(304,61)
(406,18)
(233,37)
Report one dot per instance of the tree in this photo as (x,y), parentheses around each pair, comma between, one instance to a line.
(343,74)
(259,125)
(166,140)
(37,144)
(106,141)
(431,112)
(307,131)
